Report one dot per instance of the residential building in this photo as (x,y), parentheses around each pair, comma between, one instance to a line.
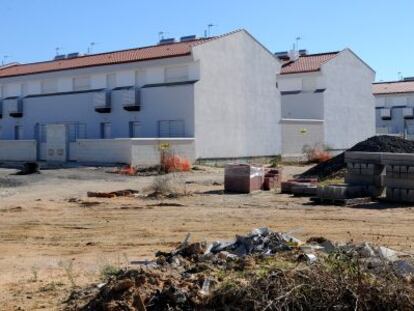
(326,100)
(394,107)
(215,97)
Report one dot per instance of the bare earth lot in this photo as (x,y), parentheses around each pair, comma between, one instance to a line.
(50,239)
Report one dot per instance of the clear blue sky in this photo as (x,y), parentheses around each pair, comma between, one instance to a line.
(381,32)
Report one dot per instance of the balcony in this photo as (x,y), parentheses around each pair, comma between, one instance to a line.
(131,99)
(15,106)
(102,101)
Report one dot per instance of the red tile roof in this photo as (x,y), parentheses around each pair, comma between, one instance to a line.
(394,87)
(116,57)
(307,63)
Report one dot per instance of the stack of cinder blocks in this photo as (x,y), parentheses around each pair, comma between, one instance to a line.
(366,169)
(399,179)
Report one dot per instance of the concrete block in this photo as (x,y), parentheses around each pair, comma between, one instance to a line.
(395,182)
(398,159)
(363,157)
(337,192)
(366,180)
(305,189)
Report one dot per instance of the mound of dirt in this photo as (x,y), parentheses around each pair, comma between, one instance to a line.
(374,144)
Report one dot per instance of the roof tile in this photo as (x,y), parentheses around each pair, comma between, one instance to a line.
(116,57)
(394,87)
(307,63)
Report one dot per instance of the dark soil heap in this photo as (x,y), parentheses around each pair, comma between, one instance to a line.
(374,144)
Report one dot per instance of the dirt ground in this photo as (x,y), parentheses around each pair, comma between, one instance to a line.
(52,237)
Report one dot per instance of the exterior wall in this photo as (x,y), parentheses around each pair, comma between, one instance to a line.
(299,133)
(158,103)
(147,152)
(306,105)
(349,103)
(397,125)
(134,151)
(237,103)
(18,150)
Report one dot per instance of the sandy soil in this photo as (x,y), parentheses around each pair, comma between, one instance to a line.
(51,240)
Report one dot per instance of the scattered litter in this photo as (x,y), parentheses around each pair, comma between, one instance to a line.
(114,194)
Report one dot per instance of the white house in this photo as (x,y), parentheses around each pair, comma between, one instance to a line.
(326,100)
(394,107)
(208,98)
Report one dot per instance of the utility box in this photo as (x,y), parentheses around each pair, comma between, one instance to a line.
(243,178)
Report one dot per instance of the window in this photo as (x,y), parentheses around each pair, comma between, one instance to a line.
(18,132)
(171,128)
(49,86)
(81,83)
(105,130)
(177,73)
(134,129)
(111,80)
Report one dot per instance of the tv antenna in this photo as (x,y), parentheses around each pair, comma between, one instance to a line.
(297,42)
(3,61)
(57,50)
(209,28)
(161,35)
(91,46)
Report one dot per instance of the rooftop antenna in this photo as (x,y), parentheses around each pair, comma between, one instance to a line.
(161,35)
(3,61)
(209,28)
(297,42)
(57,49)
(400,77)
(91,46)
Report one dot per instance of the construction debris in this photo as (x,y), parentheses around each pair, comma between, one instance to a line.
(113,194)
(257,271)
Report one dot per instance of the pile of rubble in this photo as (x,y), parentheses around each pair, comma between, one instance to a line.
(383,143)
(263,269)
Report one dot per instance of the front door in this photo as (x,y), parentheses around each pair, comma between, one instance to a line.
(56,138)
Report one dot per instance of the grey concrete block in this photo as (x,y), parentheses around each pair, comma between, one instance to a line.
(398,159)
(337,192)
(363,157)
(400,195)
(366,180)
(394,182)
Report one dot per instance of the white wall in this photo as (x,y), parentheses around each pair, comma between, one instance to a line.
(237,104)
(18,150)
(134,151)
(349,104)
(298,133)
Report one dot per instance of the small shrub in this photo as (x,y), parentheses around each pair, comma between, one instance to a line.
(276,161)
(108,271)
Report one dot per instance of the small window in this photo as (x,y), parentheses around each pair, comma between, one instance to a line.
(18,132)
(49,86)
(81,83)
(134,129)
(105,130)
(171,128)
